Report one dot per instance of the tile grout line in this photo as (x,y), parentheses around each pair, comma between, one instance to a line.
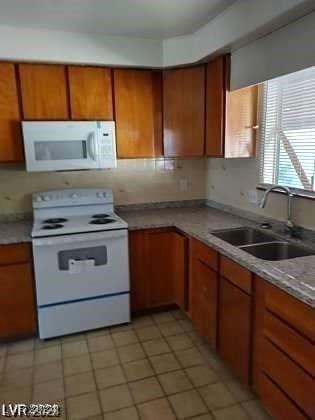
(196,344)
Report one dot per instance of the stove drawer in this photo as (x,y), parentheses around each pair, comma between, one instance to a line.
(84,315)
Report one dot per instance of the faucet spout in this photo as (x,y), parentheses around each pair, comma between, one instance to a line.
(287,190)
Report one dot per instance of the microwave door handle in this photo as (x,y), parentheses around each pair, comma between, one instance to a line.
(91,146)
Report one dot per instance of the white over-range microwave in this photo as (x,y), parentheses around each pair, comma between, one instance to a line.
(69,145)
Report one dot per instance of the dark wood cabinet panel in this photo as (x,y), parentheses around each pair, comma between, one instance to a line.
(160,269)
(215,106)
(138,270)
(235,328)
(203,288)
(236,274)
(291,310)
(277,403)
(295,382)
(11,147)
(17,303)
(157,268)
(241,122)
(14,254)
(184,111)
(91,96)
(298,348)
(44,92)
(258,337)
(138,110)
(180,274)
(204,300)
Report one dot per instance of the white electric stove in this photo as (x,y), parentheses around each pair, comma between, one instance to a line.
(80,249)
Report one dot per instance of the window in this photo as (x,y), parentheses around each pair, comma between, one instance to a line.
(288,131)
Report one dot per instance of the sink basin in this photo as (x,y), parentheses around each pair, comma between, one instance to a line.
(243,236)
(276,251)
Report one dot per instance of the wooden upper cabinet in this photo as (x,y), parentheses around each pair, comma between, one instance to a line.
(138,110)
(90,93)
(11,148)
(44,92)
(215,106)
(184,111)
(241,122)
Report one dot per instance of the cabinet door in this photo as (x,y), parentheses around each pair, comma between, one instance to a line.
(138,270)
(235,328)
(258,326)
(179,267)
(90,93)
(160,269)
(17,303)
(204,290)
(215,106)
(241,123)
(138,110)
(184,111)
(44,92)
(11,149)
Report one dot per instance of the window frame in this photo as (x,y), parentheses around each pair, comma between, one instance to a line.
(263,186)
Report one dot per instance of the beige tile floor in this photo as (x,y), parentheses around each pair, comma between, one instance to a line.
(156,368)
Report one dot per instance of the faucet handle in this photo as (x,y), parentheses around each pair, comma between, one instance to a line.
(295,231)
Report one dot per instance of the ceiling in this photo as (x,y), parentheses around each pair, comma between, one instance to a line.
(159,19)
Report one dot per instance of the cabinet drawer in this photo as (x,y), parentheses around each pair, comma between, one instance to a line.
(276,402)
(205,254)
(291,342)
(296,383)
(237,274)
(291,310)
(15,253)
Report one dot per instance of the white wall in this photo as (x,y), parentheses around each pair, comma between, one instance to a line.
(284,51)
(28,44)
(229,181)
(242,22)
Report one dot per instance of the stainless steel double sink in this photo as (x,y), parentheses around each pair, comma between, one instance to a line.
(262,245)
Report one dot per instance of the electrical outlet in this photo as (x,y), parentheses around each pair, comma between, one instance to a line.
(183,184)
(252,196)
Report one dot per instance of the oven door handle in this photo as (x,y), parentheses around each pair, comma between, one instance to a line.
(81,238)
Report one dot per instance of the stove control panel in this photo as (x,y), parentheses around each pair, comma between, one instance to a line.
(73,197)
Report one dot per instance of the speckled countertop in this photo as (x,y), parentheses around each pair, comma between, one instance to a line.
(296,276)
(15,231)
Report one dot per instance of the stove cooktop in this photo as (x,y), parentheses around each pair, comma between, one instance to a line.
(77,224)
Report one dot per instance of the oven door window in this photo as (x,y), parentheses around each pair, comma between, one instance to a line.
(60,150)
(82,259)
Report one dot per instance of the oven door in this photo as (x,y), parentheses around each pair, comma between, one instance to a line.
(60,145)
(81,266)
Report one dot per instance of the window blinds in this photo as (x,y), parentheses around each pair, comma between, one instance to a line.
(288,131)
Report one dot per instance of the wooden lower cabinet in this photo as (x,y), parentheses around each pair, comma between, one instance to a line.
(284,353)
(263,334)
(235,329)
(277,403)
(157,269)
(17,297)
(204,301)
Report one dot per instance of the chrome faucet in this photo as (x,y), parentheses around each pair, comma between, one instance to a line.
(289,225)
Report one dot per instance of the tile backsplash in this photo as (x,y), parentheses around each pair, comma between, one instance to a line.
(133,181)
